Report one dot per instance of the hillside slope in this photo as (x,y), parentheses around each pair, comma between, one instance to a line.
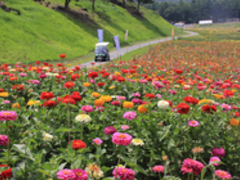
(41,33)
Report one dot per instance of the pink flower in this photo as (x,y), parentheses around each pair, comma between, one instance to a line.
(80,174)
(226,106)
(143,81)
(136,95)
(8,115)
(6,102)
(116,103)
(193,123)
(66,174)
(159,95)
(192,166)
(215,159)
(97,141)
(125,127)
(92,81)
(121,97)
(121,139)
(218,152)
(42,76)
(4,140)
(137,101)
(123,173)
(158,168)
(22,74)
(130,115)
(87,108)
(109,130)
(35,82)
(223,174)
(201,87)
(157,84)
(100,108)
(172,91)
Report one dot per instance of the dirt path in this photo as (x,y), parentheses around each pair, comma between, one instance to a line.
(116,54)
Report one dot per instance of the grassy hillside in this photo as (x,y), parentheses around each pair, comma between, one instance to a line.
(41,33)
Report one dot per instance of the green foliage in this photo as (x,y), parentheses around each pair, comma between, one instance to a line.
(41,33)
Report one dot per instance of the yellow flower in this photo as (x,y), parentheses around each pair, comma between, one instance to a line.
(137,142)
(117,73)
(208,101)
(128,104)
(106,98)
(4,94)
(111,87)
(219,96)
(32,102)
(86,84)
(95,94)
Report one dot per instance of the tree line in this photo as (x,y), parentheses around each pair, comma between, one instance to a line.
(194,10)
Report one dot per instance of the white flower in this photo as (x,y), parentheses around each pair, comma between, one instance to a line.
(12,70)
(162,104)
(176,86)
(47,137)
(45,68)
(98,174)
(137,142)
(83,118)
(49,74)
(187,86)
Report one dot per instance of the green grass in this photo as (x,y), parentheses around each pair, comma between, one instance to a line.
(41,33)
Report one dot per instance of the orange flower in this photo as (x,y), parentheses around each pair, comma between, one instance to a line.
(3,94)
(95,94)
(98,102)
(128,104)
(16,105)
(234,122)
(142,109)
(219,96)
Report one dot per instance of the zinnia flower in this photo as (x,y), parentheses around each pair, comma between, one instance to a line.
(78,144)
(47,137)
(46,95)
(137,142)
(83,118)
(125,127)
(183,108)
(158,168)
(222,174)
(80,174)
(192,166)
(8,115)
(215,159)
(121,139)
(128,104)
(94,171)
(162,104)
(209,109)
(130,115)
(87,108)
(97,141)
(66,174)
(69,84)
(5,174)
(193,123)
(109,130)
(218,152)
(4,140)
(123,173)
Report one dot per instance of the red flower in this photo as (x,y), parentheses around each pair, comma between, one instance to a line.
(1,90)
(120,79)
(105,74)
(228,93)
(209,109)
(46,95)
(62,55)
(170,103)
(150,96)
(237,114)
(78,144)
(59,64)
(66,100)
(76,96)
(74,77)
(18,87)
(38,62)
(69,84)
(77,68)
(101,84)
(183,108)
(6,174)
(190,100)
(92,75)
(178,71)
(49,103)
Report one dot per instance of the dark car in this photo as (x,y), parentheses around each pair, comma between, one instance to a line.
(101,52)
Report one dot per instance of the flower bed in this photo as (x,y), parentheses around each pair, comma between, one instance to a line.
(166,115)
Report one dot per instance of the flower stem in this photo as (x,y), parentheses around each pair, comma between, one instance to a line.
(192,176)
(8,143)
(119,155)
(68,113)
(159,175)
(82,131)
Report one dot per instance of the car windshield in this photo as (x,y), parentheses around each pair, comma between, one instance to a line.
(101,50)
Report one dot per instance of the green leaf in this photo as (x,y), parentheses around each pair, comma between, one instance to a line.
(62,129)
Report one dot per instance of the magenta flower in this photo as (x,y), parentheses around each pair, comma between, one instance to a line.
(192,166)
(116,103)
(157,84)
(42,76)
(22,74)
(97,141)
(8,115)
(121,97)
(109,130)
(223,174)
(100,108)
(172,91)
(158,168)
(218,152)
(226,106)
(215,159)
(87,108)
(130,115)
(35,82)
(123,173)
(66,174)
(137,101)
(6,102)
(193,123)
(143,81)
(125,127)
(121,139)
(80,174)
(4,140)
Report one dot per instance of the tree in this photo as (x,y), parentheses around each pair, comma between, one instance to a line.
(67,2)
(143,2)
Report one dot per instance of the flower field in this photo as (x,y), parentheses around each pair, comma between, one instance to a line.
(170,114)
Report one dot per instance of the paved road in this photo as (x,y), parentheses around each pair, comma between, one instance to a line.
(116,54)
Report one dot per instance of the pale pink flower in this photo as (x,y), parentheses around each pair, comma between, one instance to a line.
(222,174)
(136,95)
(193,123)
(130,115)
(226,106)
(158,168)
(215,159)
(125,127)
(97,141)
(158,95)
